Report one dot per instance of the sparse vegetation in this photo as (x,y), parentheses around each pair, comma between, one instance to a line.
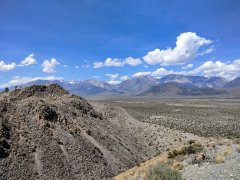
(192,148)
(201,117)
(163,172)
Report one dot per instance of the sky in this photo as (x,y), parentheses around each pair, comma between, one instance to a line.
(113,40)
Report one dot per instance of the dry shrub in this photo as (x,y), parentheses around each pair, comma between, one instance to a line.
(193,148)
(191,141)
(219,158)
(177,165)
(163,172)
(237,141)
(227,150)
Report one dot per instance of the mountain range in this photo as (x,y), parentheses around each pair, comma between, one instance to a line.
(169,85)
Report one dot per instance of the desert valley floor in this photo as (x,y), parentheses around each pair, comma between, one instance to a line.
(213,122)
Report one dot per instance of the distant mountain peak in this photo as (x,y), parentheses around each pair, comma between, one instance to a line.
(198,81)
(178,89)
(138,85)
(234,83)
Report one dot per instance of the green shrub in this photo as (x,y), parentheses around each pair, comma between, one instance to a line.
(6,90)
(163,172)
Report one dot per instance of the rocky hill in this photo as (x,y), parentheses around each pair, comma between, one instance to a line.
(43,133)
(48,133)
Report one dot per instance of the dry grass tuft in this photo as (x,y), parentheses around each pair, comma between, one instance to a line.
(219,158)
(237,141)
(163,171)
(227,150)
(177,165)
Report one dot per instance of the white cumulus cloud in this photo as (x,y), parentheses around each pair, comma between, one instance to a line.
(16,80)
(163,72)
(124,78)
(29,60)
(228,71)
(116,62)
(138,74)
(207,51)
(113,82)
(113,76)
(188,45)
(113,62)
(98,64)
(49,66)
(108,63)
(132,62)
(187,66)
(160,72)
(7,67)
(218,68)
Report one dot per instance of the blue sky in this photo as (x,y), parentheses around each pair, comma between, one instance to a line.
(86,39)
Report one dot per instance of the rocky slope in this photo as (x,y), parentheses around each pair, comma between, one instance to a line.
(47,133)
